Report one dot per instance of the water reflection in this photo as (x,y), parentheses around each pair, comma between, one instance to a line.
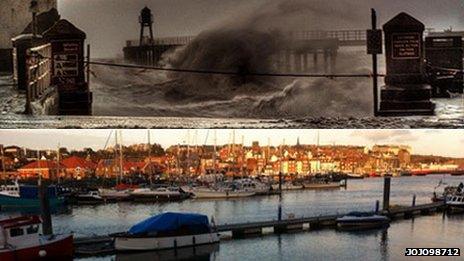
(198,253)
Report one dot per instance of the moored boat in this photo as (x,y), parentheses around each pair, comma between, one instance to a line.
(455,201)
(362,220)
(20,240)
(166,231)
(114,194)
(27,196)
(90,198)
(159,194)
(206,193)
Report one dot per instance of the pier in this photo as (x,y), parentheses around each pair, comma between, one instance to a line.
(103,244)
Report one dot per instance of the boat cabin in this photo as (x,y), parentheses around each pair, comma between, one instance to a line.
(19,232)
(455,199)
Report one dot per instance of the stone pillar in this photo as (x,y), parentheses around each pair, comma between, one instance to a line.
(406,91)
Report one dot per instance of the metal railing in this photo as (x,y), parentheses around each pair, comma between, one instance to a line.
(341,35)
(38,70)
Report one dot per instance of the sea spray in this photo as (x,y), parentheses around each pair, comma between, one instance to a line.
(250,42)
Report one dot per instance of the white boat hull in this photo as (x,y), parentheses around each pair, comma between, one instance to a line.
(157,243)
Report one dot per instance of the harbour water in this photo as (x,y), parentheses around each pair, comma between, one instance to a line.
(427,231)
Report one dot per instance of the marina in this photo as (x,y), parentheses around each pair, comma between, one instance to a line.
(235,218)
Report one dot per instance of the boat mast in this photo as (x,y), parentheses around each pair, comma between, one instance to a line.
(38,167)
(243,156)
(58,162)
(120,156)
(116,153)
(214,157)
(177,160)
(3,164)
(188,153)
(149,156)
(234,165)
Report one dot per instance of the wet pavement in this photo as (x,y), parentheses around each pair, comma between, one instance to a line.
(449,114)
(11,101)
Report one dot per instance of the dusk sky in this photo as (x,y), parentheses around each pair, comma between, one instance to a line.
(109,23)
(436,142)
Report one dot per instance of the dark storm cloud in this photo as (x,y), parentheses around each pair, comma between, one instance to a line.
(109,23)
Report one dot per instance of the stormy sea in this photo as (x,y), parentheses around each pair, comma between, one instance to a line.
(251,42)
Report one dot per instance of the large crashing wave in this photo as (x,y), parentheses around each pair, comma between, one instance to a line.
(246,44)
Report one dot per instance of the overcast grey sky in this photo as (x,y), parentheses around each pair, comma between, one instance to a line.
(436,142)
(108,23)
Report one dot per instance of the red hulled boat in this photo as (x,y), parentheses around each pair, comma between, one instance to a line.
(20,240)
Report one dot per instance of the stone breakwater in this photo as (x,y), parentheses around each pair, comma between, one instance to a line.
(92,122)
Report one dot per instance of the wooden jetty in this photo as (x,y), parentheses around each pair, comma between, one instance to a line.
(102,245)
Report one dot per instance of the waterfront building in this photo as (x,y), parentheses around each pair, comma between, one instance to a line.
(47,169)
(77,168)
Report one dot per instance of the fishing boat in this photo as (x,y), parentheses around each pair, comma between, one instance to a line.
(27,196)
(159,194)
(362,220)
(20,240)
(167,231)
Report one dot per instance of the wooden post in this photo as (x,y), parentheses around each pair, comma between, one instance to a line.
(377,206)
(374,68)
(280,195)
(45,209)
(414,200)
(386,193)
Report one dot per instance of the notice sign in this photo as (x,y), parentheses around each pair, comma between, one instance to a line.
(406,46)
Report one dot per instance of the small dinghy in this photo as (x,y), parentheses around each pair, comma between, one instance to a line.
(167,231)
(362,220)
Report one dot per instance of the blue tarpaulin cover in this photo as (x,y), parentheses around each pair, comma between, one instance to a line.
(170,221)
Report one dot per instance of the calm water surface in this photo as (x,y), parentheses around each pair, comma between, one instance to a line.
(428,231)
